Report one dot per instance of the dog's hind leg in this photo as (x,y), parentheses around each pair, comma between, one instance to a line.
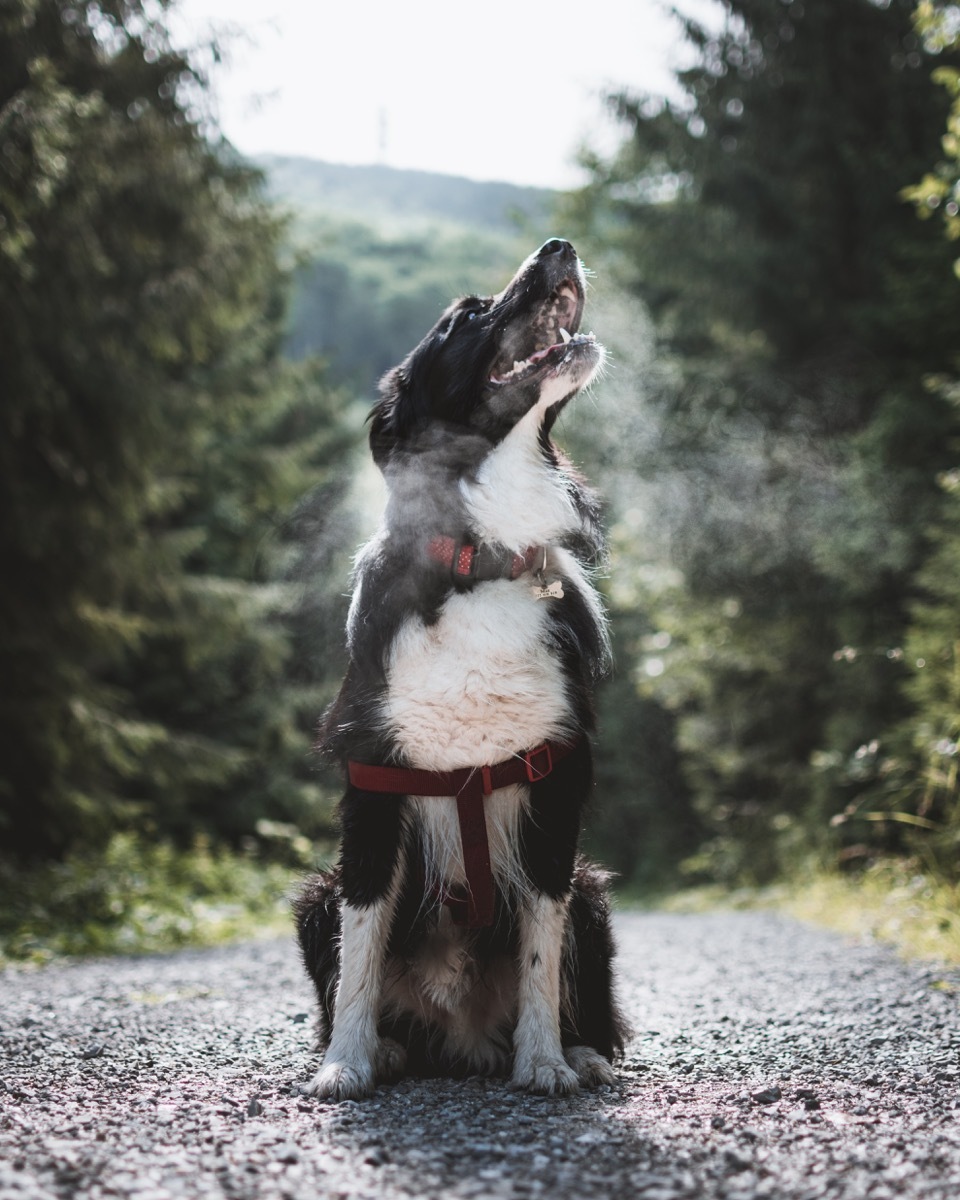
(316,909)
(592,1027)
(371,870)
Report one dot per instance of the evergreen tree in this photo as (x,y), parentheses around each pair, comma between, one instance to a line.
(798,307)
(918,786)
(149,444)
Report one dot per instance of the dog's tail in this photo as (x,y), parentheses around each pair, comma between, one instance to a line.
(593,1015)
(316,909)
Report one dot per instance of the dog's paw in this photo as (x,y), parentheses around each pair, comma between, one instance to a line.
(391,1059)
(550,1077)
(343,1081)
(592,1068)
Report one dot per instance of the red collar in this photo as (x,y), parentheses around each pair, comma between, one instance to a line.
(471,564)
(469,785)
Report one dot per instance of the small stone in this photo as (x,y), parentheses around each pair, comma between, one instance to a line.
(737,1161)
(92,1050)
(254,1108)
(768,1095)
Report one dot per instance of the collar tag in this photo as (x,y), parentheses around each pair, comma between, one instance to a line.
(548,591)
(543,590)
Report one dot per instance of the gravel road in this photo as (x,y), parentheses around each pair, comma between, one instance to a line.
(771,1060)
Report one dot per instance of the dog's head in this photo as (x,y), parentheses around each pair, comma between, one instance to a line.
(490,360)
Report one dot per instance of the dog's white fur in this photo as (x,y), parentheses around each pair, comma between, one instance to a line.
(517,500)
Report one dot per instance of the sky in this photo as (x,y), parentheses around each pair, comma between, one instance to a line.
(499,89)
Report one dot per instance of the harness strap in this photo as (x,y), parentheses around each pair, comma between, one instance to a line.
(469,785)
(472,564)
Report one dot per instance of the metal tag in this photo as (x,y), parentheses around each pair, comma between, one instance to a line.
(544,590)
(549,591)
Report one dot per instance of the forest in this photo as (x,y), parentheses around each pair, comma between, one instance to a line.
(189,343)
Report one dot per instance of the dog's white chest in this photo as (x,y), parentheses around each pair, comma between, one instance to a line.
(479,684)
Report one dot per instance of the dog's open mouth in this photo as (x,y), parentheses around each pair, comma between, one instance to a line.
(551,339)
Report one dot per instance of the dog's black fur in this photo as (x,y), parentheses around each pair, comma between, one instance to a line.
(443,412)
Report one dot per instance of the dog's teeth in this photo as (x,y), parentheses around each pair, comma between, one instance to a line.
(564,335)
(517,366)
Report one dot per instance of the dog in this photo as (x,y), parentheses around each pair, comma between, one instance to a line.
(461,933)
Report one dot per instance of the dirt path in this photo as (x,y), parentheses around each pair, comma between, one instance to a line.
(771,1060)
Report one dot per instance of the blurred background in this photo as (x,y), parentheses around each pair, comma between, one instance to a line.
(217,230)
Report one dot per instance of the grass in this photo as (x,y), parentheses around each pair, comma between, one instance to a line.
(141,898)
(892,900)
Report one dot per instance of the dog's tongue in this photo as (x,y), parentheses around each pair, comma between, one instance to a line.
(521,368)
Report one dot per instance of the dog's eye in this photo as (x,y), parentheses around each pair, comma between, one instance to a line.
(465,315)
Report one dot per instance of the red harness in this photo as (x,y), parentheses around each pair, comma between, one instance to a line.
(469,785)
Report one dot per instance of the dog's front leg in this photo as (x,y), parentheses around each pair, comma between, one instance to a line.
(371,876)
(549,841)
(538,1062)
(350,1065)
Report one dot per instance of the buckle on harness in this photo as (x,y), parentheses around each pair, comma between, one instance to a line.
(543,765)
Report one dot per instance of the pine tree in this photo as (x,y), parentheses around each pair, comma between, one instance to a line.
(150,444)
(798,307)
(919,786)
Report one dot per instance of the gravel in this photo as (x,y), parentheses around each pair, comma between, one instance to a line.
(770,1060)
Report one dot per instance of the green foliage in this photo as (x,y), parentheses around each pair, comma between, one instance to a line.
(891,899)
(381,252)
(365,294)
(643,824)
(938,24)
(134,897)
(786,447)
(151,439)
(912,774)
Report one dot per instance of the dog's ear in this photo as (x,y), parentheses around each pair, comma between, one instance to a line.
(401,409)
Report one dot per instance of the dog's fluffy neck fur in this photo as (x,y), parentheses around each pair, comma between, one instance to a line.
(517,493)
(520,496)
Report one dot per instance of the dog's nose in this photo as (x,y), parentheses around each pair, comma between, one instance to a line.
(556,246)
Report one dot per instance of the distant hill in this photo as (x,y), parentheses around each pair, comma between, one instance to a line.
(381,252)
(388,196)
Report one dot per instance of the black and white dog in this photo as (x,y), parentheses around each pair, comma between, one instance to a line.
(460,932)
